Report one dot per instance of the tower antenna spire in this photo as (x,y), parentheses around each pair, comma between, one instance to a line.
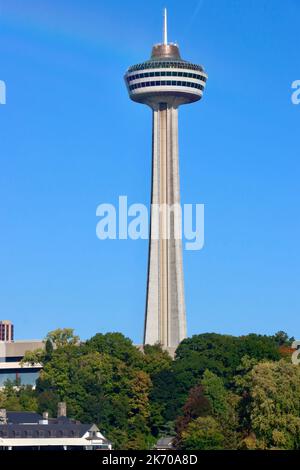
(165,28)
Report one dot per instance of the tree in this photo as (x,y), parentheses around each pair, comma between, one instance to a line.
(62,337)
(275,404)
(33,357)
(281,338)
(216,394)
(156,359)
(157,363)
(139,411)
(204,433)
(197,405)
(220,354)
(224,407)
(48,401)
(116,345)
(16,397)
(260,347)
(100,387)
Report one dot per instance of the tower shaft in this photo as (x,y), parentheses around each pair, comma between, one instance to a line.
(165,320)
(165,82)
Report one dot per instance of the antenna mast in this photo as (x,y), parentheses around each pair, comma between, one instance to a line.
(165,28)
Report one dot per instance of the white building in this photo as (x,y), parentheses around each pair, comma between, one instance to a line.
(31,431)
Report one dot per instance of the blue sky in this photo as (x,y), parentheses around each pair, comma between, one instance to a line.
(71,139)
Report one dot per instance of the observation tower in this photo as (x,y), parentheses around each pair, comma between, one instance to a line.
(165,82)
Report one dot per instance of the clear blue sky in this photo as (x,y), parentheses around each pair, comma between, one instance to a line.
(70,138)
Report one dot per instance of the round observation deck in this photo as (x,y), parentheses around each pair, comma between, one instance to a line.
(165,78)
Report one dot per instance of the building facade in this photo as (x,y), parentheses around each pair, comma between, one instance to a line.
(11,355)
(164,83)
(31,431)
(6,331)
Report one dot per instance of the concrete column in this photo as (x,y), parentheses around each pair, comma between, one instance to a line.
(152,326)
(165,320)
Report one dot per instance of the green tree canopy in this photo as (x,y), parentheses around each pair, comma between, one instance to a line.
(275,404)
(204,433)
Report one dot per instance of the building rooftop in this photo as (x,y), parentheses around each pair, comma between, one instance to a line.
(22,425)
(21,417)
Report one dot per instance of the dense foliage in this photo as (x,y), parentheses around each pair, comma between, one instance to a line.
(220,392)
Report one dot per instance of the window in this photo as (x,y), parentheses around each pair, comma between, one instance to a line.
(171,64)
(164,73)
(168,83)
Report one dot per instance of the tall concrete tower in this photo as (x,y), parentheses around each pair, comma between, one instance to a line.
(164,83)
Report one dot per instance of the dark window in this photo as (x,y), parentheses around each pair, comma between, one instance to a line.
(153,64)
(168,83)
